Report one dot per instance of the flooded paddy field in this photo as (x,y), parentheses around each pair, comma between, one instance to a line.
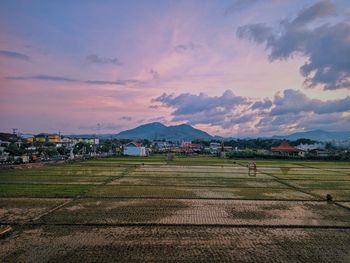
(193,209)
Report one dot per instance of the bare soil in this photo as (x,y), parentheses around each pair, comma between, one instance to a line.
(172,244)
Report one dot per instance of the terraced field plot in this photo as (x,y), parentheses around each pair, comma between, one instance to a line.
(190,209)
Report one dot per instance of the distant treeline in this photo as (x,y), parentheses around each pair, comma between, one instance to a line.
(259,143)
(246,154)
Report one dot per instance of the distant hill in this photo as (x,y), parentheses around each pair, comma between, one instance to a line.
(158,131)
(317,135)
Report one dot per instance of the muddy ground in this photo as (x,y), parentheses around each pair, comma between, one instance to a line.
(174,244)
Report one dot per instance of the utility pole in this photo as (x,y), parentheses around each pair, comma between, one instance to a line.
(14,134)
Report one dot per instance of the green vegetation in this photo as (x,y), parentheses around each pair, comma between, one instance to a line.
(42,190)
(141,191)
(183,177)
(52,179)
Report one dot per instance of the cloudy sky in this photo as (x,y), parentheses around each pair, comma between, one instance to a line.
(230,67)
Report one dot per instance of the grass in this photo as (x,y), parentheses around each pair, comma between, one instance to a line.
(340,185)
(184,177)
(42,190)
(338,195)
(52,179)
(57,172)
(140,191)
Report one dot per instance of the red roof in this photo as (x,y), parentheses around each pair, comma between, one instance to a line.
(284,147)
(134,143)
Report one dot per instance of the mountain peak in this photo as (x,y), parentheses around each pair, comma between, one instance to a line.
(153,124)
(158,131)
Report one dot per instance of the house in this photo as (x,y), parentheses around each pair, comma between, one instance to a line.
(42,138)
(186,144)
(310,147)
(29,138)
(134,149)
(319,152)
(284,149)
(215,146)
(162,145)
(197,147)
(54,138)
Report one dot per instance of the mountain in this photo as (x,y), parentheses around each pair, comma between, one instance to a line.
(317,135)
(158,131)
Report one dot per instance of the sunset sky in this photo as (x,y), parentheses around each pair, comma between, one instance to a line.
(230,67)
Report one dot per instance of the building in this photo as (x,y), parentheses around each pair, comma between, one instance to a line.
(197,147)
(134,149)
(54,138)
(90,140)
(186,147)
(319,152)
(29,138)
(186,144)
(284,149)
(42,138)
(215,146)
(309,147)
(162,146)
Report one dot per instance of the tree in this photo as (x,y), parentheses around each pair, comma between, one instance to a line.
(14,150)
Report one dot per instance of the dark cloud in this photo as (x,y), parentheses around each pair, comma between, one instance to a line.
(66,79)
(182,48)
(325,46)
(13,55)
(103,82)
(154,73)
(94,59)
(125,118)
(187,103)
(288,110)
(294,110)
(239,5)
(196,109)
(117,82)
(318,10)
(154,107)
(265,104)
(303,121)
(293,101)
(256,32)
(43,77)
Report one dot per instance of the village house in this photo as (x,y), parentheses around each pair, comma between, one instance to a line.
(162,145)
(284,149)
(134,149)
(54,138)
(319,152)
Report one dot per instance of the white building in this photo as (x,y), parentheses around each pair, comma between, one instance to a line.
(309,147)
(134,149)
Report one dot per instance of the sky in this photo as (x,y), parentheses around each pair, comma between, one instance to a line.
(230,67)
